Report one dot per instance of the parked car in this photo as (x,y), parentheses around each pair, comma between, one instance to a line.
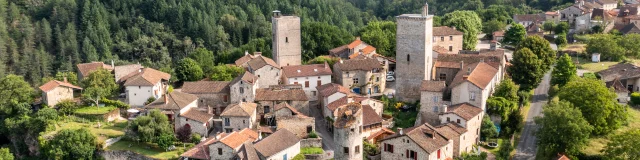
(391,73)
(391,79)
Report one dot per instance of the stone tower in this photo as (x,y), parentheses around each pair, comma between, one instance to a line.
(286,45)
(347,132)
(413,53)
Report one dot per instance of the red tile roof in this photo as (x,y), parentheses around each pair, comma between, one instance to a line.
(481,75)
(276,142)
(440,49)
(369,116)
(382,131)
(306,70)
(464,110)
(200,151)
(260,61)
(337,103)
(355,43)
(86,68)
(247,77)
(53,84)
(196,115)
(235,139)
(425,136)
(177,101)
(244,59)
(146,77)
(331,88)
(366,64)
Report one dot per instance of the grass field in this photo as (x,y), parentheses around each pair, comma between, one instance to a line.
(94,110)
(107,130)
(147,149)
(597,143)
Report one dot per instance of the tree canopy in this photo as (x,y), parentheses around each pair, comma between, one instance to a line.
(151,128)
(542,49)
(507,89)
(5,154)
(561,117)
(514,35)
(320,37)
(382,35)
(15,89)
(98,85)
(223,72)
(488,130)
(467,22)
(189,70)
(71,144)
(607,46)
(564,71)
(625,145)
(526,69)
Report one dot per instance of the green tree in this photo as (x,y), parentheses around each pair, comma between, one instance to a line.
(542,49)
(71,77)
(89,51)
(507,89)
(469,23)
(564,71)
(635,99)
(548,26)
(513,124)
(98,85)
(223,72)
(501,106)
(561,117)
(630,43)
(562,28)
(597,29)
(205,59)
(321,37)
(488,130)
(67,107)
(607,46)
(165,140)
(561,40)
(526,70)
(504,152)
(322,59)
(514,35)
(382,35)
(492,26)
(596,102)
(71,144)
(5,154)
(15,89)
(189,70)
(625,145)
(150,128)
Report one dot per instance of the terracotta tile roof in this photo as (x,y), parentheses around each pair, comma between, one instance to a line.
(445,31)
(441,64)
(369,116)
(276,142)
(623,71)
(425,135)
(464,110)
(498,34)
(248,152)
(196,115)
(355,43)
(267,129)
(607,2)
(529,17)
(124,70)
(147,77)
(340,49)
(265,94)
(247,77)
(433,86)
(562,157)
(286,105)
(200,87)
(440,49)
(244,59)
(481,75)
(306,70)
(243,109)
(337,103)
(359,99)
(235,139)
(494,58)
(53,84)
(451,130)
(346,115)
(250,133)
(177,101)
(260,61)
(382,131)
(366,64)
(200,151)
(331,88)
(365,51)
(86,68)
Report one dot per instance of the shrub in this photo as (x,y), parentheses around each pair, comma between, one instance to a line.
(311,150)
(635,99)
(115,103)
(150,99)
(184,134)
(67,107)
(589,75)
(370,148)
(299,157)
(553,91)
(313,135)
(195,138)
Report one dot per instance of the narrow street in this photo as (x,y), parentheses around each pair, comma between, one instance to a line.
(321,128)
(526,149)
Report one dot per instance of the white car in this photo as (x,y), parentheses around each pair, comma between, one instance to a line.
(390,73)
(391,79)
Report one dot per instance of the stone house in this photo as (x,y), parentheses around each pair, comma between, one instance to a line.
(121,71)
(630,28)
(268,98)
(182,111)
(238,116)
(628,74)
(621,91)
(596,16)
(281,145)
(55,91)
(267,71)
(552,16)
(448,38)
(144,84)
(447,66)
(286,42)
(607,4)
(286,117)
(85,69)
(309,76)
(371,121)
(243,88)
(528,19)
(376,105)
(422,142)
(353,49)
(498,36)
(474,84)
(347,133)
(431,101)
(213,95)
(459,136)
(331,92)
(467,116)
(365,76)
(377,136)
(222,146)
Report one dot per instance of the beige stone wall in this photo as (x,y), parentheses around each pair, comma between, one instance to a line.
(268,76)
(196,127)
(455,41)
(56,95)
(367,80)
(569,14)
(286,45)
(413,55)
(238,123)
(402,144)
(473,129)
(431,104)
(448,74)
(248,95)
(301,106)
(227,152)
(297,125)
(211,102)
(350,138)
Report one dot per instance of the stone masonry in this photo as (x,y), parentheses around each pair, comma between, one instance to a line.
(413,53)
(287,46)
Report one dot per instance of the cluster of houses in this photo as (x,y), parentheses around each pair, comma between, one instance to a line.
(583,15)
(268,112)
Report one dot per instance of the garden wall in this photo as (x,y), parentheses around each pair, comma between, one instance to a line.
(311,142)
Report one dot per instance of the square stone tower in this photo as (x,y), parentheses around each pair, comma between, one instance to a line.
(286,45)
(413,53)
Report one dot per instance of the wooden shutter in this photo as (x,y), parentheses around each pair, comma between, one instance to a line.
(319,83)
(407,155)
(306,84)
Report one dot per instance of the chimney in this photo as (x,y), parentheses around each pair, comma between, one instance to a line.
(65,79)
(276,14)
(166,99)
(326,65)
(493,45)
(259,135)
(465,77)
(246,52)
(454,28)
(400,131)
(425,9)
(358,38)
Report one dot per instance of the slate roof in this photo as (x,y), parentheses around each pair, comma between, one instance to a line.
(124,70)
(235,139)
(366,64)
(622,71)
(53,84)
(445,31)
(147,77)
(331,88)
(246,76)
(265,94)
(177,101)
(195,114)
(242,109)
(630,28)
(433,86)
(464,110)
(276,142)
(306,70)
(369,116)
(260,61)
(425,136)
(203,87)
(481,75)
(86,68)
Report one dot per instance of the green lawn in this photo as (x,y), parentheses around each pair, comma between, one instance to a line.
(493,151)
(94,110)
(106,131)
(147,149)
(311,150)
(598,143)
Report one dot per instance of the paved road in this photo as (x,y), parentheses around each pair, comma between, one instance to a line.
(321,128)
(526,149)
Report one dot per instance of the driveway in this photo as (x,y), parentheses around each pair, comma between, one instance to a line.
(526,149)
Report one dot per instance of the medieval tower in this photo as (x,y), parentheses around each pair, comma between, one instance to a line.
(347,132)
(286,45)
(413,53)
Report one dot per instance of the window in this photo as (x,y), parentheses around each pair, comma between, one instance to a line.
(450,49)
(377,79)
(441,38)
(443,76)
(313,93)
(219,151)
(435,98)
(435,109)
(319,82)
(345,150)
(408,58)
(225,98)
(202,101)
(245,121)
(348,74)
(357,149)
(286,39)
(472,96)
(241,90)
(478,131)
(355,80)
(448,119)
(388,148)
(306,84)
(228,130)
(244,100)
(450,38)
(458,121)
(412,154)
(309,129)
(227,122)
(267,109)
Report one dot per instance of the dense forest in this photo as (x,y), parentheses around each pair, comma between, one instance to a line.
(39,38)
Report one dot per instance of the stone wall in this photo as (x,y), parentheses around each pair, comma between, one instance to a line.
(215,101)
(122,155)
(455,41)
(268,76)
(248,93)
(413,55)
(286,44)
(56,95)
(297,125)
(311,142)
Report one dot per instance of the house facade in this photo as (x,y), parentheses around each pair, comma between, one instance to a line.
(309,76)
(448,38)
(54,92)
(213,96)
(365,76)
(281,145)
(267,71)
(474,85)
(182,111)
(467,116)
(243,88)
(144,84)
(238,116)
(268,98)
(422,142)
